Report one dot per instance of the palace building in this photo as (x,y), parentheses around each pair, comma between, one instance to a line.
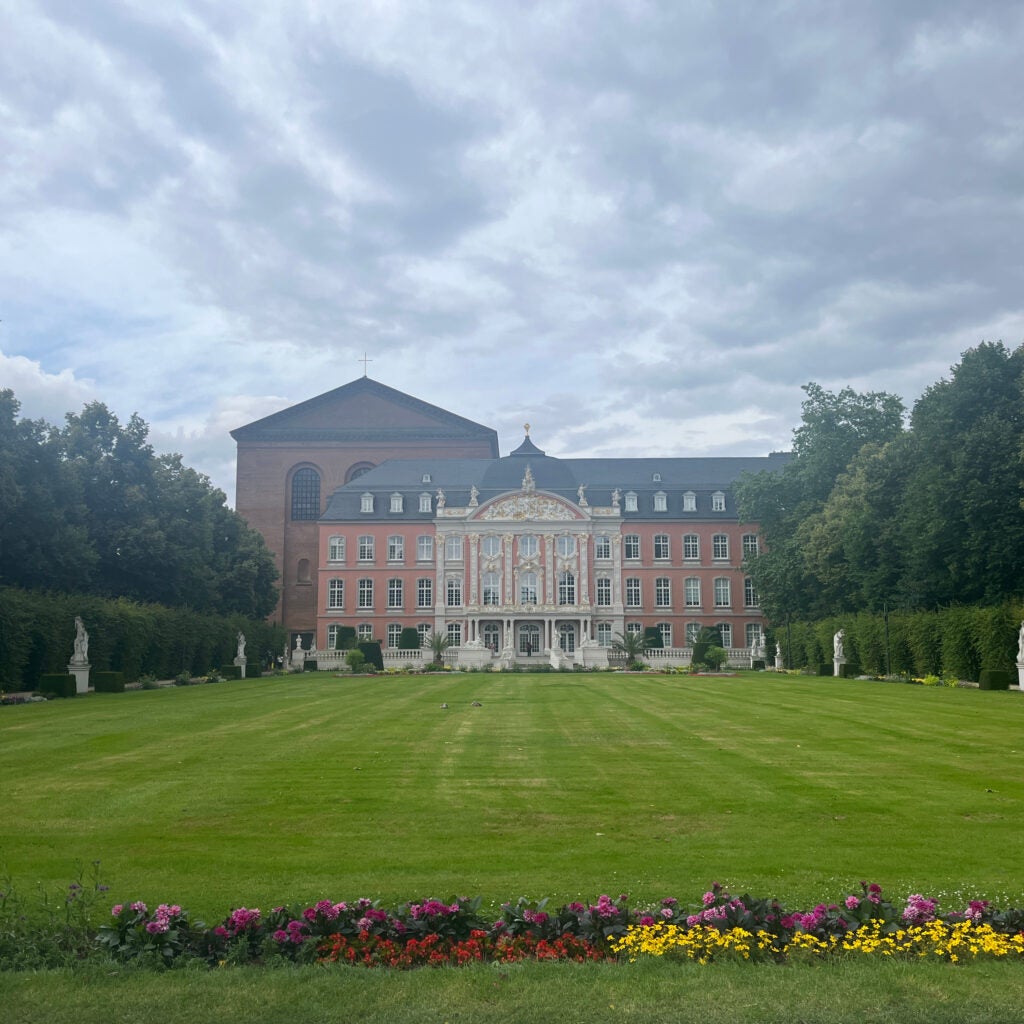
(386,512)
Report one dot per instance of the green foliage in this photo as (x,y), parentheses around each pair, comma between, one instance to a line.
(708,637)
(356,660)
(346,638)
(107,682)
(716,657)
(438,644)
(409,639)
(372,653)
(59,684)
(37,634)
(653,637)
(995,679)
(633,646)
(230,671)
(91,507)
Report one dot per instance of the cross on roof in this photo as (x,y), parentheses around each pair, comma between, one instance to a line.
(365,359)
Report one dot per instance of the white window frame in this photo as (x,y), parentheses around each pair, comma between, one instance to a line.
(365,593)
(631,547)
(424,592)
(718,501)
(364,632)
(725,631)
(691,589)
(335,594)
(528,588)
(397,502)
(424,548)
(454,634)
(750,545)
(602,546)
(720,547)
(566,588)
(691,547)
(453,548)
(665,629)
(634,594)
(692,632)
(491,546)
(662,592)
(453,592)
(336,549)
(490,589)
(662,547)
(396,548)
(528,546)
(366,502)
(689,502)
(723,592)
(750,598)
(394,635)
(660,502)
(367,548)
(603,592)
(396,592)
(425,499)
(566,545)
(631,503)
(603,634)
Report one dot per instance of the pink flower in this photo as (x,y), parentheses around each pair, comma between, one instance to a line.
(666,912)
(139,907)
(852,903)
(647,920)
(708,898)
(118,907)
(280,935)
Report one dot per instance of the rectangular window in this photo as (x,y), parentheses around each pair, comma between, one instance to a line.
(720,547)
(424,592)
(631,505)
(364,631)
(753,634)
(663,592)
(749,593)
(396,504)
(566,588)
(453,593)
(749,544)
(394,633)
(365,549)
(718,502)
(665,629)
(661,502)
(425,630)
(366,593)
(602,546)
(661,545)
(396,549)
(604,634)
(424,549)
(631,545)
(528,588)
(692,592)
(723,593)
(632,592)
(604,591)
(491,593)
(336,549)
(692,632)
(453,549)
(635,628)
(336,594)
(395,593)
(332,636)
(689,502)
(366,503)
(691,546)
(425,503)
(455,634)
(725,631)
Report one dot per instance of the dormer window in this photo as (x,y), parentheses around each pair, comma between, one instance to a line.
(689,502)
(396,502)
(425,499)
(718,502)
(425,479)
(660,501)
(656,478)
(366,502)
(631,505)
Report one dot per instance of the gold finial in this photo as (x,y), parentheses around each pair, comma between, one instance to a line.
(526,427)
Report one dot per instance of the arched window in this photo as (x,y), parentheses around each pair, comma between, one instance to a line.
(306,494)
(358,470)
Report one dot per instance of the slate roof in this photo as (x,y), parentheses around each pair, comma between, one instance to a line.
(491,477)
(324,418)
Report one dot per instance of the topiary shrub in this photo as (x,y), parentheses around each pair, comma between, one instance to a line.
(356,660)
(995,679)
(708,637)
(716,657)
(409,639)
(345,639)
(652,637)
(371,652)
(107,682)
(231,671)
(60,684)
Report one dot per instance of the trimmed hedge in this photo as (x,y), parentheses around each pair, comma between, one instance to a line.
(371,652)
(107,682)
(60,683)
(37,637)
(995,679)
(230,671)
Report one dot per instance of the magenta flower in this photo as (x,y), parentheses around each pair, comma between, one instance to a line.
(139,907)
(708,898)
(280,935)
(852,903)
(116,911)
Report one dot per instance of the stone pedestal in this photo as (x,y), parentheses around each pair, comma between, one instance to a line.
(593,655)
(81,674)
(241,663)
(474,656)
(837,666)
(1020,675)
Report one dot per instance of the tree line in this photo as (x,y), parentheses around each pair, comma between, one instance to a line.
(880,510)
(90,508)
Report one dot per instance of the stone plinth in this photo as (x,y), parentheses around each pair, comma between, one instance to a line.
(837,666)
(474,658)
(81,673)
(241,663)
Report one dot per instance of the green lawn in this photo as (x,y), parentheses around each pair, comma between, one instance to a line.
(304,787)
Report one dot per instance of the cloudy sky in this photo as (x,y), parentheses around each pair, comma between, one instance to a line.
(640,225)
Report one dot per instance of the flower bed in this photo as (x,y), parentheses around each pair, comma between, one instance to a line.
(433,932)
